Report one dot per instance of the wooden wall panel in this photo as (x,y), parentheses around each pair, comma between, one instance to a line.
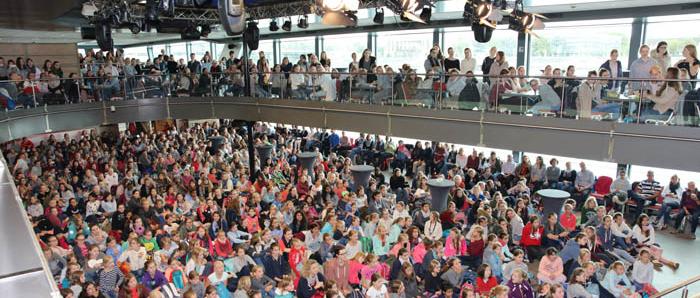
(66,53)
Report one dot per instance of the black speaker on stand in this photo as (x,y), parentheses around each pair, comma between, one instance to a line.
(103,35)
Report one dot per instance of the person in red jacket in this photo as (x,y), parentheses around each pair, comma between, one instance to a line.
(485,281)
(532,239)
(222,246)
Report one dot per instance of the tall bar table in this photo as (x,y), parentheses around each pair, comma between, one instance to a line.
(552,200)
(439,188)
(360,176)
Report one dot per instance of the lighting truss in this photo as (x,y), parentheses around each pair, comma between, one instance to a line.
(196,15)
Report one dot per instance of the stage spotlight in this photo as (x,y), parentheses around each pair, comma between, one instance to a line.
(273,26)
(135,28)
(287,26)
(190,33)
(379,16)
(426,14)
(303,22)
(205,30)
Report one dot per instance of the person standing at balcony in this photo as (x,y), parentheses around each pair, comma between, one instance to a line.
(661,56)
(486,64)
(194,65)
(468,63)
(368,63)
(451,62)
(433,62)
(690,63)
(499,64)
(639,69)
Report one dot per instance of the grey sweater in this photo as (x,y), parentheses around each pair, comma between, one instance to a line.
(577,291)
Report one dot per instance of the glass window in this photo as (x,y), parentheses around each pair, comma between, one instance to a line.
(399,47)
(559,2)
(599,168)
(666,29)
(294,47)
(140,53)
(339,48)
(158,49)
(219,51)
(571,43)
(462,37)
(639,173)
(179,51)
(266,47)
(199,48)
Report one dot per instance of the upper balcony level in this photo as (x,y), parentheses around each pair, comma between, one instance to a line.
(642,122)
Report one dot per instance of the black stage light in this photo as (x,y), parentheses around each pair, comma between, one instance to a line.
(303,22)
(135,28)
(287,26)
(426,14)
(205,30)
(273,26)
(379,16)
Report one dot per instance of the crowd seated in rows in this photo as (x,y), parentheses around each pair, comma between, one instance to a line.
(175,214)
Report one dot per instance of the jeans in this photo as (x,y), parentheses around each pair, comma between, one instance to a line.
(666,209)
(621,243)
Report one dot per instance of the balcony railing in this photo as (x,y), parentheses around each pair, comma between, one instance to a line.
(643,101)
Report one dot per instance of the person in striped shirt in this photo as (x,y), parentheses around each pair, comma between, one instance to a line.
(110,278)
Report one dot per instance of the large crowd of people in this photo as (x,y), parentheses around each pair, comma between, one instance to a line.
(444,77)
(179,213)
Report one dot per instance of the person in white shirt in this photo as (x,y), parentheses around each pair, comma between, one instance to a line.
(507,170)
(433,227)
(643,270)
(468,63)
(111,178)
(621,231)
(377,288)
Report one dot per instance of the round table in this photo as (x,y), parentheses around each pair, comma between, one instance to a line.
(361,175)
(264,152)
(439,189)
(552,200)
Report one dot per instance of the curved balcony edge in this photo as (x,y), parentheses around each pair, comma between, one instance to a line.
(656,146)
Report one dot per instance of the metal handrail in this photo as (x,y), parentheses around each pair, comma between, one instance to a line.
(433,75)
(681,285)
(27,225)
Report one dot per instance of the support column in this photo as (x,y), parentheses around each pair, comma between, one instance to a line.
(251,150)
(636,40)
(246,71)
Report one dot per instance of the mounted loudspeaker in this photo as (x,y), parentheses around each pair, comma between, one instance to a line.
(232,16)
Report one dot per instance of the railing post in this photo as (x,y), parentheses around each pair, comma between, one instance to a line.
(563,98)
(684,293)
(34,94)
(391,83)
(639,107)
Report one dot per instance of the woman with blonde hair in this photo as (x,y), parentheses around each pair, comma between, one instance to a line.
(499,292)
(242,287)
(311,280)
(690,63)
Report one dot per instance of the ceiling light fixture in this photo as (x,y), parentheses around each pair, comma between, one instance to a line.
(273,26)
